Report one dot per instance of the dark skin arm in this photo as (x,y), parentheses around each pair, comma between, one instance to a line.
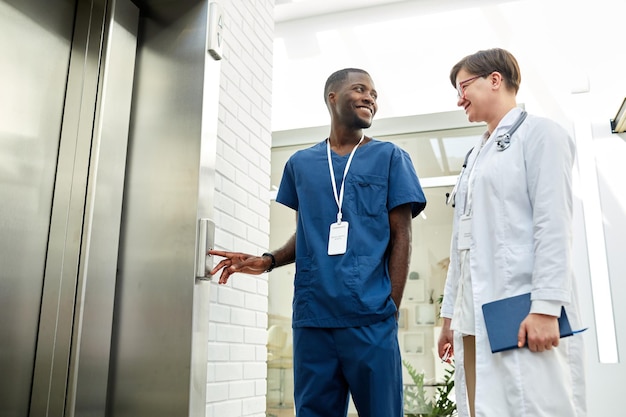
(251,264)
(399,255)
(399,250)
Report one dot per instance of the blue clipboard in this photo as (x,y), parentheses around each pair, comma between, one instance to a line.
(503,318)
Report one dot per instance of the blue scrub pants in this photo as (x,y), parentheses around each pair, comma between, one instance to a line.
(330,364)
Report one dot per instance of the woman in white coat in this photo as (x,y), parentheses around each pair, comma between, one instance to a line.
(512,234)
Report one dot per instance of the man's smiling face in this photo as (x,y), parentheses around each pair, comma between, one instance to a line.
(355,100)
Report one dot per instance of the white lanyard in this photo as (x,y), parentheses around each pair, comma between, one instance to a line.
(339,198)
(502,143)
(470,180)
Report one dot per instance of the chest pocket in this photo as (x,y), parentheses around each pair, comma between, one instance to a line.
(367,195)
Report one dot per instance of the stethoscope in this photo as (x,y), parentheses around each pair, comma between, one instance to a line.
(502,143)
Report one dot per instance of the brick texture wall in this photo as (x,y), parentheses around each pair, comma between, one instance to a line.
(237,369)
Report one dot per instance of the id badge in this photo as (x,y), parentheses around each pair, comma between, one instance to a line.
(338,238)
(464,238)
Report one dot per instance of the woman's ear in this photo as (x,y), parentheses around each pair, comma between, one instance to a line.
(495,78)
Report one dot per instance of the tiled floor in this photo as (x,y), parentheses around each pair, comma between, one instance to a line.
(287,412)
(279,412)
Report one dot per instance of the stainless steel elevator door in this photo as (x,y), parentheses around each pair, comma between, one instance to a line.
(66,87)
(66,83)
(35,44)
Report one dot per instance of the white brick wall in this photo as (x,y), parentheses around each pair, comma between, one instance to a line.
(237,371)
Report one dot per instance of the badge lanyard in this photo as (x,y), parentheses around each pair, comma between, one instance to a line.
(502,143)
(465,221)
(467,209)
(338,237)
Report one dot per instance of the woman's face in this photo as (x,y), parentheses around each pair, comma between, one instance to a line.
(472,90)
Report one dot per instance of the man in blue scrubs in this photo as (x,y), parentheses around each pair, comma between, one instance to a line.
(355,198)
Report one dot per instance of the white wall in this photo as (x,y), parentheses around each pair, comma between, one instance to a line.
(238,312)
(573,70)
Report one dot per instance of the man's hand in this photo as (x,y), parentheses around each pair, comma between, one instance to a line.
(541,331)
(239,262)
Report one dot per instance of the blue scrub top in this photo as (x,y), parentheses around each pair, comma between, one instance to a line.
(353,289)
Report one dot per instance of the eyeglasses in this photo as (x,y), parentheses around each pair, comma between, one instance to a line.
(461,85)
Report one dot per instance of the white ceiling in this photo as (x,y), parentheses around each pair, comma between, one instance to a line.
(408,46)
(286,10)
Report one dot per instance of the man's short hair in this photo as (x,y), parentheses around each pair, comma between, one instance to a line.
(337,78)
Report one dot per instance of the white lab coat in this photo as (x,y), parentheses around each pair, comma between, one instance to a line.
(521,242)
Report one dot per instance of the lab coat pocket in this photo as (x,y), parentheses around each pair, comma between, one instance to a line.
(519,266)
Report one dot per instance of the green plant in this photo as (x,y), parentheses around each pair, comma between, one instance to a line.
(417,402)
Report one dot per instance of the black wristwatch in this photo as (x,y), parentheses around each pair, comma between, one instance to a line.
(273,264)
